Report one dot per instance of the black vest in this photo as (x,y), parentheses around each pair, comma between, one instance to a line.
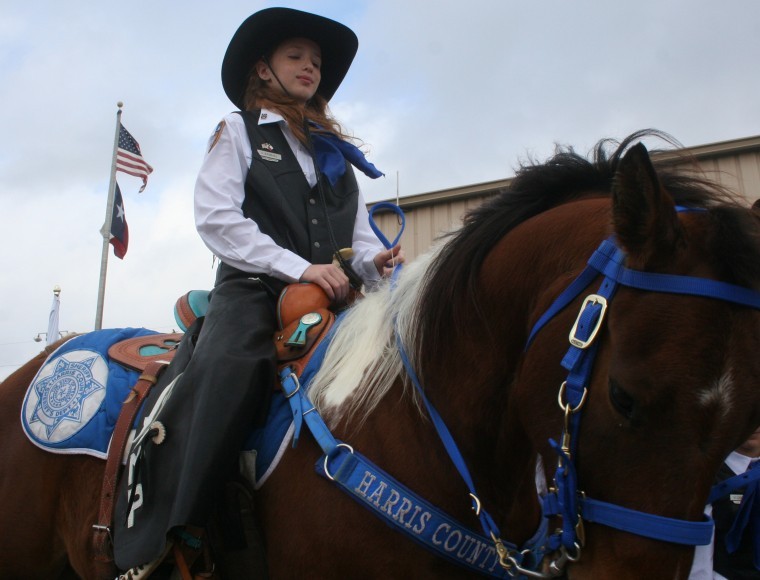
(278,197)
(739,564)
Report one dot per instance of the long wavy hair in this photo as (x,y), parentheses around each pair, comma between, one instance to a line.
(259,94)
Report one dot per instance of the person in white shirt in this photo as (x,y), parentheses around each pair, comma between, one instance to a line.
(299,60)
(275,200)
(714,561)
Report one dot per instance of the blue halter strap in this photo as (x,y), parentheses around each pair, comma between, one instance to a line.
(565,499)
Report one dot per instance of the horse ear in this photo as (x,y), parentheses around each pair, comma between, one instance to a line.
(644,215)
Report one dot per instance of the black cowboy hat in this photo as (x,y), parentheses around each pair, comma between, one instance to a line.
(263,31)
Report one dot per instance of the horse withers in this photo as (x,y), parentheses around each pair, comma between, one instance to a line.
(673,387)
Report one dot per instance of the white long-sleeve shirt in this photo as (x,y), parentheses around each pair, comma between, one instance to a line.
(237,240)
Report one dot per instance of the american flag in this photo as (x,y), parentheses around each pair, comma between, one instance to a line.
(119,228)
(129,159)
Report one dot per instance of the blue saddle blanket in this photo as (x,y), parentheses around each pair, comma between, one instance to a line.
(74,400)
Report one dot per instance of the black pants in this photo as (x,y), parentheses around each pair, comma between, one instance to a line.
(223,392)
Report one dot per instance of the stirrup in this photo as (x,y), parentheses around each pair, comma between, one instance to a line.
(145,570)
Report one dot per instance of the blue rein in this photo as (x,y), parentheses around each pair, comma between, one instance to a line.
(511,558)
(486,521)
(384,205)
(564,499)
(400,507)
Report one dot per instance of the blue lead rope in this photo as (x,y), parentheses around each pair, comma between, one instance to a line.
(486,521)
(384,205)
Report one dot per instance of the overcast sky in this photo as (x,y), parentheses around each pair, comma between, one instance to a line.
(444,93)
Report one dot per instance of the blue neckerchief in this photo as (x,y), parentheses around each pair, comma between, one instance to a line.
(747,517)
(332,154)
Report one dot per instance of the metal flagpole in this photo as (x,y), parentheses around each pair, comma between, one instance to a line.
(105,231)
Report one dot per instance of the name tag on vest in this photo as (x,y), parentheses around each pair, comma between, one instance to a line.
(269,155)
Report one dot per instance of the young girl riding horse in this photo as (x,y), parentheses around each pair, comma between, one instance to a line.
(272,216)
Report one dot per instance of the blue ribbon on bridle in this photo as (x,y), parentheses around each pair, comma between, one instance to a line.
(332,153)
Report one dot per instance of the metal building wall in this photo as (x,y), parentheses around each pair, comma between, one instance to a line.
(427,223)
(740,173)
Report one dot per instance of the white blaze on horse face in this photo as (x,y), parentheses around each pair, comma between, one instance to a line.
(720,395)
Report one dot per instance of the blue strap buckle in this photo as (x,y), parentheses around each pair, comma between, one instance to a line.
(592,312)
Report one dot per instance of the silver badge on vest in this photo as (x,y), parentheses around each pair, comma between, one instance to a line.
(267,153)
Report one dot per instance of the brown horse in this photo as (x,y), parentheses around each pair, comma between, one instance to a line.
(673,389)
(47,501)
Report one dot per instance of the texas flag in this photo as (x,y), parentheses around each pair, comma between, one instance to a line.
(119,229)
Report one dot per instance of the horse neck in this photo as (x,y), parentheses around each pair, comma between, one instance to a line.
(470,370)
(470,379)
(471,392)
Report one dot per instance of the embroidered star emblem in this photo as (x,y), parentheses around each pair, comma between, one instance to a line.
(61,395)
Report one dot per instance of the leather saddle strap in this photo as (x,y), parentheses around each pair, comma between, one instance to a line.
(102,540)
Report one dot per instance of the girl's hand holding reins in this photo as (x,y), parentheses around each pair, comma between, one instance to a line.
(385,261)
(330,278)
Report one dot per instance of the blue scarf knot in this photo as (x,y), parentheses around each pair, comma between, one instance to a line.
(748,516)
(332,153)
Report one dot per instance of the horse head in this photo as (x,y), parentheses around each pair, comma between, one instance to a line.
(674,383)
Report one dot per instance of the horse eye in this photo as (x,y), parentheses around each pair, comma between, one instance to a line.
(622,401)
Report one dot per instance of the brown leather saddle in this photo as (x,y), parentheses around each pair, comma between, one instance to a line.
(303,316)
